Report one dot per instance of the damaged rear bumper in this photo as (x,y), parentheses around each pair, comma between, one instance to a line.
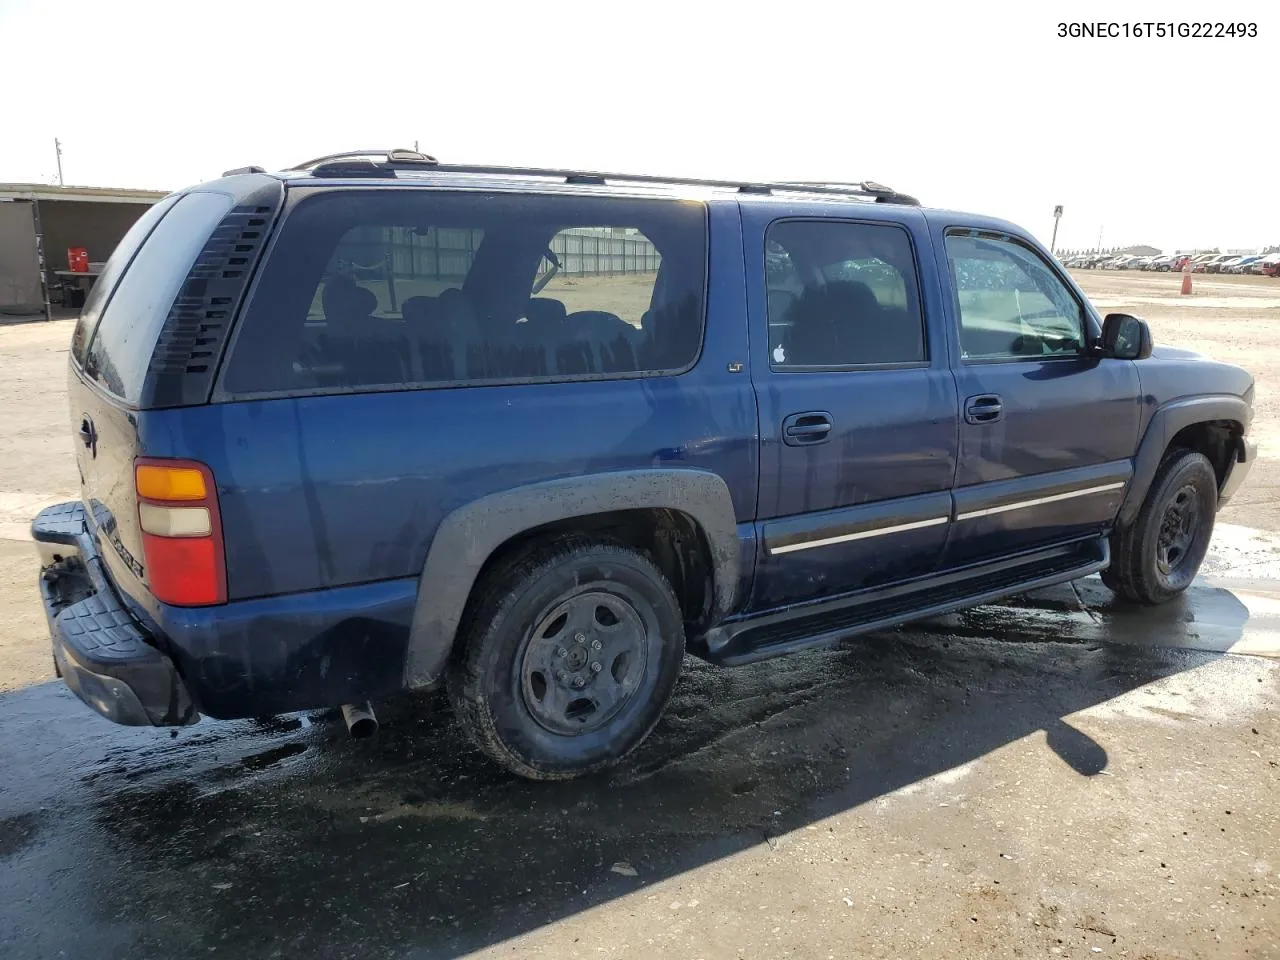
(102,654)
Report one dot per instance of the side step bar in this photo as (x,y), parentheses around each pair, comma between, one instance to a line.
(823,623)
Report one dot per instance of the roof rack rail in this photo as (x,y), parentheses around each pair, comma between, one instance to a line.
(395,155)
(363,163)
(865,186)
(876,191)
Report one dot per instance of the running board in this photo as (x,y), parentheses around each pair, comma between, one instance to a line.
(825,622)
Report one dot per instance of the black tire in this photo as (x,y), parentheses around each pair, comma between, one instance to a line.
(512,682)
(1157,556)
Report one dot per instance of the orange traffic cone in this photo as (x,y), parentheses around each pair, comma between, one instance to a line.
(1186,278)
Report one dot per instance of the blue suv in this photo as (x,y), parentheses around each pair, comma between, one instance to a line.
(380,423)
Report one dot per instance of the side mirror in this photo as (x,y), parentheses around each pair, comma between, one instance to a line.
(1125,337)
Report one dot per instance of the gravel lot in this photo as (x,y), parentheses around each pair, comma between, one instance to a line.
(1054,776)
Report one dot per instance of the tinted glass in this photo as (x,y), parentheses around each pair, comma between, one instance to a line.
(120,350)
(1011,303)
(388,288)
(103,287)
(842,294)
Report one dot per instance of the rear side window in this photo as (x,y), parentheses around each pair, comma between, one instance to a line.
(395,288)
(842,295)
(105,285)
(120,349)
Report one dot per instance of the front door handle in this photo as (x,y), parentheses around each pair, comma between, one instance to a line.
(987,408)
(806,429)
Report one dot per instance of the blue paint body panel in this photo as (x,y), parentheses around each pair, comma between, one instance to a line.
(329,504)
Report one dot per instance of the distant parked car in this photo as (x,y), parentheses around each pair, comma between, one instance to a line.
(1160,264)
(1181,261)
(1243,264)
(1214,263)
(1271,265)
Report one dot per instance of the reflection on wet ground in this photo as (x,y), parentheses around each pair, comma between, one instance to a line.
(259,837)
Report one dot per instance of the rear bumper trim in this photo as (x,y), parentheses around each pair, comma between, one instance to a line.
(101,652)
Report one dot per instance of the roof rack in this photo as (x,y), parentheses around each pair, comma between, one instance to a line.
(363,163)
(396,155)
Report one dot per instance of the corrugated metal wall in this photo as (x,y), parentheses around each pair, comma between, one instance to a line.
(446,254)
(584,252)
(20,289)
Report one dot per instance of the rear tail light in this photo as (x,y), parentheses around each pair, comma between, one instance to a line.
(181,532)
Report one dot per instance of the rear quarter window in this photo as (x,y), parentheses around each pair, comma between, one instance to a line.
(400,288)
(117,263)
(121,347)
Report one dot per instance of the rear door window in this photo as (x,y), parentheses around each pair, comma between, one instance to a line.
(399,288)
(105,285)
(120,349)
(842,294)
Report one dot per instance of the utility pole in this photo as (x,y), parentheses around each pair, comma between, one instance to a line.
(1057,215)
(57,149)
(415,147)
(1099,238)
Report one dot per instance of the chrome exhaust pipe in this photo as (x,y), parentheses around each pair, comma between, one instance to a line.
(360,720)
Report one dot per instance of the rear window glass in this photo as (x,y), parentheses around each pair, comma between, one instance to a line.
(395,288)
(120,349)
(103,287)
(842,294)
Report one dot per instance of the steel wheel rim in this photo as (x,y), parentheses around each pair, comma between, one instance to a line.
(1179,529)
(583,662)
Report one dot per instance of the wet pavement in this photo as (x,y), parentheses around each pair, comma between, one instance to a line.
(1050,777)
(284,838)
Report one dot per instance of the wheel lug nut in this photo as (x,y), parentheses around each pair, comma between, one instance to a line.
(596,668)
(561,652)
(562,676)
(578,683)
(595,644)
(580,637)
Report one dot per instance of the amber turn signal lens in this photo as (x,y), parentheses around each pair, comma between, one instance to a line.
(170,483)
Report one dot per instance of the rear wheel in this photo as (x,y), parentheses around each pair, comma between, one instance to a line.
(569,654)
(1157,556)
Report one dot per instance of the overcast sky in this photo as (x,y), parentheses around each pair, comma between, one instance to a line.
(970,105)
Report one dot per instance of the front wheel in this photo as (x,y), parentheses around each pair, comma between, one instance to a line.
(1157,556)
(569,654)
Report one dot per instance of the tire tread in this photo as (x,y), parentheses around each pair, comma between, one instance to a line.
(498,592)
(1127,576)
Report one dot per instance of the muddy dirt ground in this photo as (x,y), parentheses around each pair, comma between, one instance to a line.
(1053,776)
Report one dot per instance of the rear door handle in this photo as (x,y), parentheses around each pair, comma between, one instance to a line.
(806,429)
(987,408)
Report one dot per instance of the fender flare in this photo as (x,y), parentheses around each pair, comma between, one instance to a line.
(1164,426)
(467,537)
